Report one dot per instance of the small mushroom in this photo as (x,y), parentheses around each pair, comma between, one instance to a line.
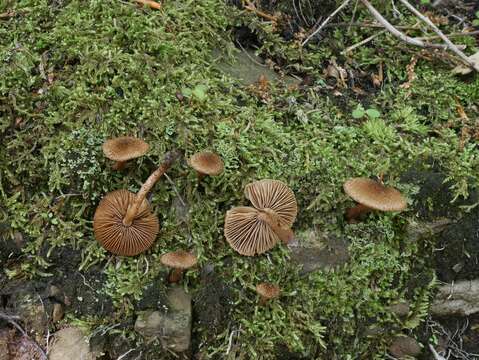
(111,232)
(206,163)
(372,195)
(179,261)
(124,148)
(267,291)
(123,223)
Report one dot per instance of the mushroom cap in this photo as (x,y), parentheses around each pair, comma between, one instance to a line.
(275,195)
(206,162)
(179,259)
(120,239)
(247,233)
(267,290)
(374,194)
(124,148)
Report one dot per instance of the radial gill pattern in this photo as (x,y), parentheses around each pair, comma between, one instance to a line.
(276,195)
(246,233)
(118,238)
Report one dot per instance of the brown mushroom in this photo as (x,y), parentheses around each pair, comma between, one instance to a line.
(276,201)
(123,223)
(267,291)
(111,232)
(124,148)
(372,195)
(179,261)
(206,163)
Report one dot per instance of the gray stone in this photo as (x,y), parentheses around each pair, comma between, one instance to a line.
(404,347)
(400,309)
(248,67)
(461,298)
(70,343)
(324,254)
(172,324)
(422,230)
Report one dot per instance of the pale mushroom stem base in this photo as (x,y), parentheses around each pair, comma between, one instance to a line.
(272,219)
(354,213)
(119,165)
(132,211)
(175,276)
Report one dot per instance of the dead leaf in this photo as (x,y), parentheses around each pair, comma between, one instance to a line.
(411,75)
(337,72)
(358,90)
(463,69)
(150,3)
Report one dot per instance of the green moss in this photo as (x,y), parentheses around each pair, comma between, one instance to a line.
(73,74)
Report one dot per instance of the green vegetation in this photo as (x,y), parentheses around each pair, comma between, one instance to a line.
(74,73)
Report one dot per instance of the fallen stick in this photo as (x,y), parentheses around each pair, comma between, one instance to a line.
(150,3)
(11,319)
(325,22)
(394,31)
(449,43)
(365,41)
(252,8)
(456,34)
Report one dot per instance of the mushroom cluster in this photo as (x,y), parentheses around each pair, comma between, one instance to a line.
(255,230)
(124,223)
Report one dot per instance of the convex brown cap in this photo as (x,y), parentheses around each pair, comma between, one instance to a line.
(268,291)
(275,195)
(247,233)
(179,259)
(124,148)
(375,195)
(120,239)
(206,162)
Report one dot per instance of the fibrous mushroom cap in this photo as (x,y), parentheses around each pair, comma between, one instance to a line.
(275,195)
(206,162)
(268,291)
(247,233)
(124,148)
(375,195)
(179,259)
(118,238)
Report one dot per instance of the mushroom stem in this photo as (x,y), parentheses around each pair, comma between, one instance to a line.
(200,176)
(175,275)
(132,211)
(272,219)
(263,300)
(355,212)
(119,165)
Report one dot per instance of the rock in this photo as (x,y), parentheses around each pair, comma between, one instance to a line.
(71,344)
(331,253)
(172,324)
(461,298)
(400,309)
(404,346)
(422,230)
(247,67)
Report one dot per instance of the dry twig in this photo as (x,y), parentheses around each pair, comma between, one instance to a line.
(325,22)
(11,319)
(448,42)
(150,3)
(394,31)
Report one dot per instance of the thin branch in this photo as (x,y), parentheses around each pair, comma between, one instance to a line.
(11,320)
(361,43)
(325,22)
(394,31)
(449,43)
(456,34)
